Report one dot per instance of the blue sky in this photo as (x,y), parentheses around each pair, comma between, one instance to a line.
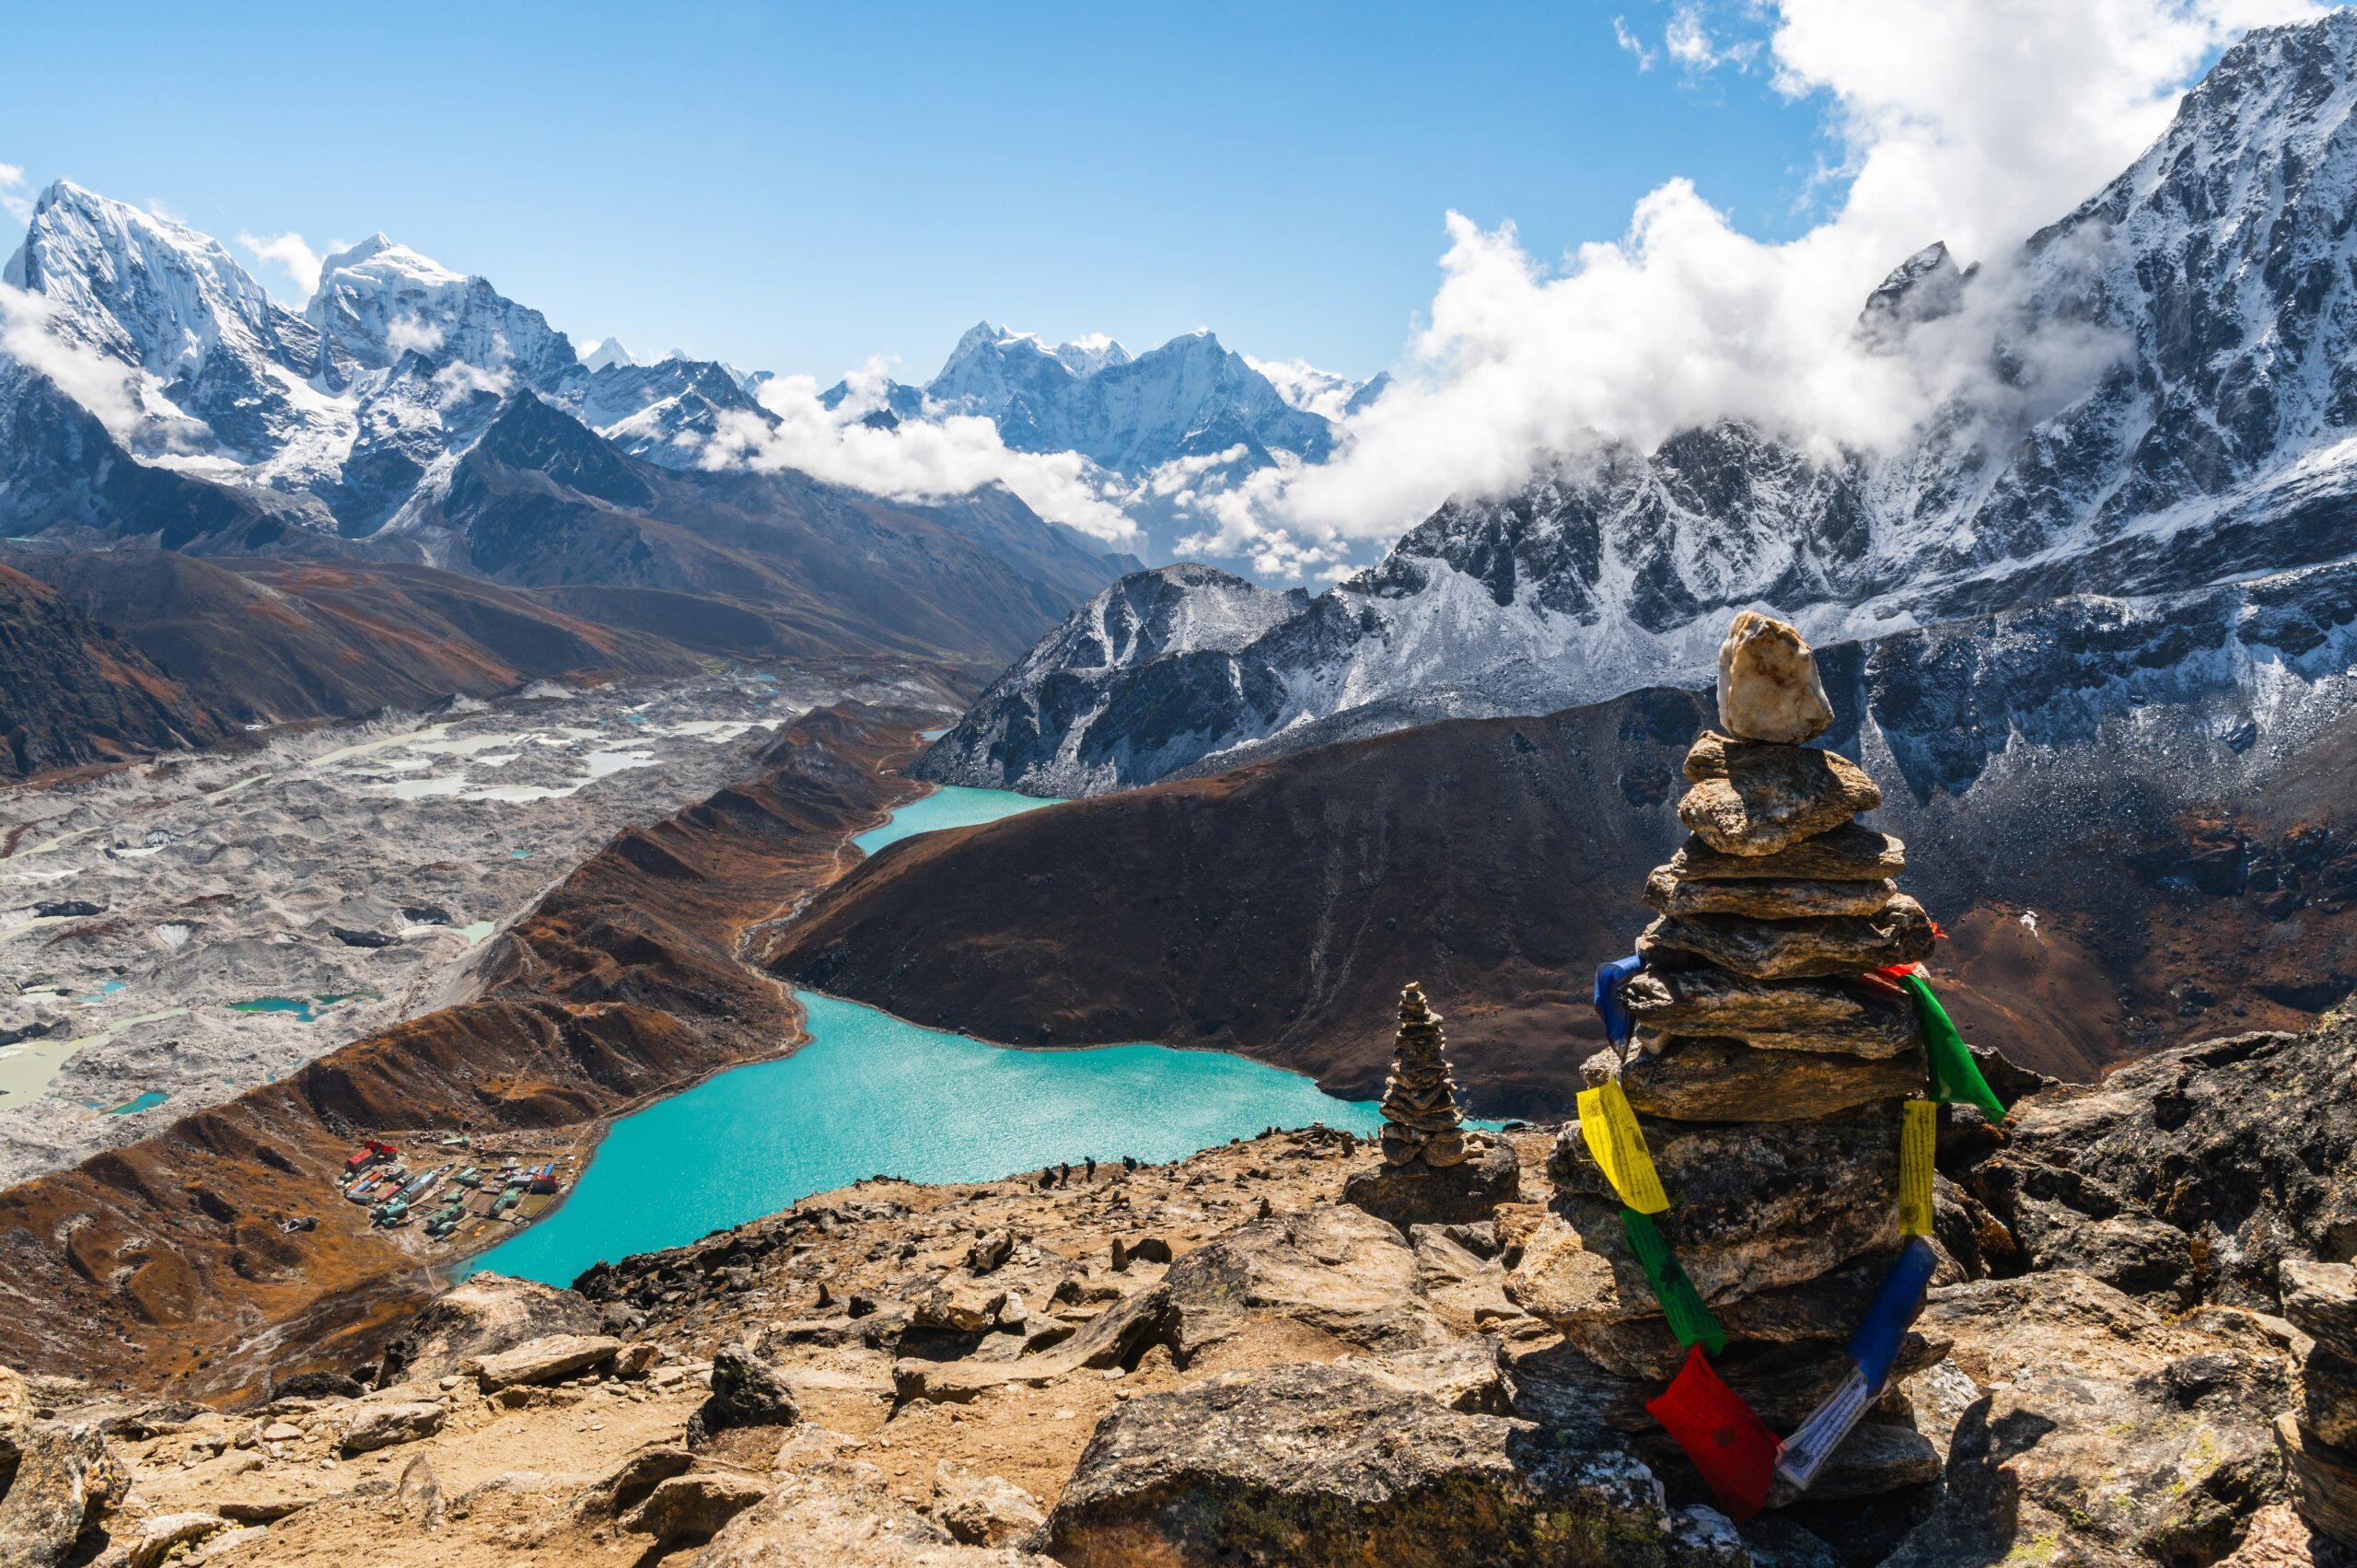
(796,187)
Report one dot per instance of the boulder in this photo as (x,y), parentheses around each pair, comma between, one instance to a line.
(1850,852)
(418,1498)
(628,1484)
(1798,949)
(544,1360)
(1764,899)
(2320,1300)
(1315,1466)
(1724,1080)
(840,1512)
(376,1423)
(958,1305)
(746,1391)
(1418,1193)
(486,1314)
(989,1251)
(983,1510)
(694,1506)
(1753,800)
(2104,1433)
(1769,687)
(2198,1139)
(66,1482)
(2323,1480)
(158,1535)
(2328,1398)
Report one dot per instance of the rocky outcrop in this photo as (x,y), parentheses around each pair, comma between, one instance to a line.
(2183,1176)
(746,1391)
(1329,1466)
(470,1327)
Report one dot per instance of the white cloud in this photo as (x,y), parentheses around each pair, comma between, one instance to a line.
(104,386)
(920,460)
(1632,44)
(404,333)
(296,259)
(1303,386)
(1975,125)
(1690,43)
(17,207)
(459,380)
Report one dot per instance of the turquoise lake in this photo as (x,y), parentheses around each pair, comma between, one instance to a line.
(874,1095)
(953,806)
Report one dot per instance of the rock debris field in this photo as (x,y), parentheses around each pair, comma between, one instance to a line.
(173,934)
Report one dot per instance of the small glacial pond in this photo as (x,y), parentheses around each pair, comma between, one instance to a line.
(147,1101)
(307,1008)
(875,1095)
(952,805)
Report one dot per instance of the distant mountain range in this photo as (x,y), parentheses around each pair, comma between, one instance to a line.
(152,393)
(2214,439)
(1164,427)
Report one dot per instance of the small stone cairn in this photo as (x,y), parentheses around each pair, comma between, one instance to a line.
(1433,1171)
(1420,1118)
(1767,1072)
(2319,1438)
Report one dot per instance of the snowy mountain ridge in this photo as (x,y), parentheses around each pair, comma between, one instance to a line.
(2212,439)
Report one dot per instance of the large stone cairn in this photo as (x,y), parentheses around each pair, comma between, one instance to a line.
(1767,1072)
(1420,1118)
(2319,1438)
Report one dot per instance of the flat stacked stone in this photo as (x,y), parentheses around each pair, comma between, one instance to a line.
(1420,1118)
(1769,1068)
(2319,1438)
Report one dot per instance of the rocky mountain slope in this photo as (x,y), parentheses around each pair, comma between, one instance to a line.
(166,1260)
(71,692)
(264,641)
(542,501)
(1220,1361)
(2167,411)
(2129,822)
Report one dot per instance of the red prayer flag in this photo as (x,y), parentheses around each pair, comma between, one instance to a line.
(1731,1447)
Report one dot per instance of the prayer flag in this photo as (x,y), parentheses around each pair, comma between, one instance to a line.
(1731,1447)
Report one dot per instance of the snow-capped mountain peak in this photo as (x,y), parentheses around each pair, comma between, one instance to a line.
(1092,352)
(143,289)
(609,351)
(381,299)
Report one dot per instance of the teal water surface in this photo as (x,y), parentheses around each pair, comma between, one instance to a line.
(147,1101)
(952,805)
(873,1095)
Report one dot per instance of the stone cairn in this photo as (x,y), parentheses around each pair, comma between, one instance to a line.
(1767,1071)
(1420,1118)
(1432,1170)
(2319,1439)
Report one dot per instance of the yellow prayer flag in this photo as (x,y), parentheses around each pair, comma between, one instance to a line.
(1918,1140)
(1618,1145)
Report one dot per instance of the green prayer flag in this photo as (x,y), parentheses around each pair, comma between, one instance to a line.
(1955,1075)
(1680,1302)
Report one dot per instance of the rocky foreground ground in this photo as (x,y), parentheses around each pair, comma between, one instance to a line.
(1217,1361)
